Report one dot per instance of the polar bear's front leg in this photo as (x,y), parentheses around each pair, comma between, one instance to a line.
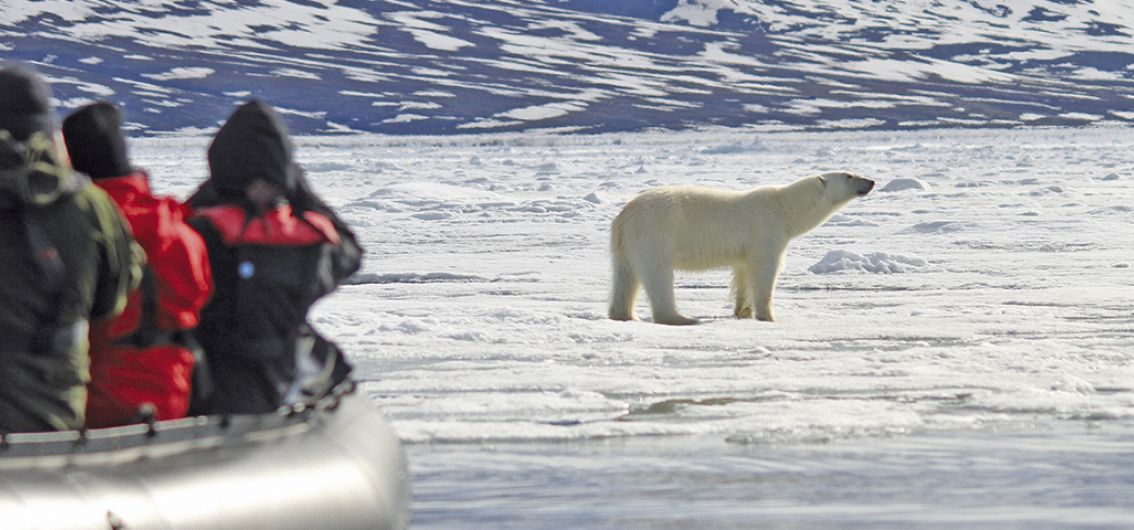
(659,289)
(762,284)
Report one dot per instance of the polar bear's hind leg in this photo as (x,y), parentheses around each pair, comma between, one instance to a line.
(624,292)
(740,291)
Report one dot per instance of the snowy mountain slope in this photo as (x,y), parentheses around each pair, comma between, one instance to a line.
(467,66)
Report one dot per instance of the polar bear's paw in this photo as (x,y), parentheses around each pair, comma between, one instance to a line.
(622,316)
(676,320)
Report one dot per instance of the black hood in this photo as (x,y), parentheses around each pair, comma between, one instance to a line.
(94,140)
(25,102)
(253,144)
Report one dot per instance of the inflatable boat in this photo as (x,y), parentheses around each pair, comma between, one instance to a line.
(334,464)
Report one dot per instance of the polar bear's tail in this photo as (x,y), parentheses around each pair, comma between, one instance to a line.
(625,284)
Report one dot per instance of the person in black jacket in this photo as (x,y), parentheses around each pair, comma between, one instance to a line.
(66,258)
(275,248)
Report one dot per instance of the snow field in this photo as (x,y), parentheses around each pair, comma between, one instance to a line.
(996,292)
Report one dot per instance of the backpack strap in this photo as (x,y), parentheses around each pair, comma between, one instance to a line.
(148,333)
(279,227)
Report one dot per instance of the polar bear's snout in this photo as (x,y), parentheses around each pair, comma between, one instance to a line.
(862,186)
(847,181)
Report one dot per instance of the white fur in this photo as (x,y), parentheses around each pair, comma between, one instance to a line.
(696,228)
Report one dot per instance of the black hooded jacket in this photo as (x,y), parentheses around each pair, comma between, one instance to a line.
(66,258)
(268,266)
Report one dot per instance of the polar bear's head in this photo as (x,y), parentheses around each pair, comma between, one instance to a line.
(810,201)
(841,186)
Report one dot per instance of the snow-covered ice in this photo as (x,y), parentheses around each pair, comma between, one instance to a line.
(479,315)
(876,262)
(904,184)
(998,298)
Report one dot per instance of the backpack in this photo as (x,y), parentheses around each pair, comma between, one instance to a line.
(278,265)
(31,179)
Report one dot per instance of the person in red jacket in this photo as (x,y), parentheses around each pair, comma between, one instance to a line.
(275,248)
(145,357)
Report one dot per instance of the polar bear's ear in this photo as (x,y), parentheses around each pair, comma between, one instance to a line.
(822,181)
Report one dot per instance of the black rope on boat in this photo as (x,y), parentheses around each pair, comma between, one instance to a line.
(81,441)
(348,387)
(339,392)
(336,399)
(147,414)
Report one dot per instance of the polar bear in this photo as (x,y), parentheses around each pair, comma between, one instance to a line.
(696,228)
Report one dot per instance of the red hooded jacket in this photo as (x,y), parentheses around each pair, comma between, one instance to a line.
(124,376)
